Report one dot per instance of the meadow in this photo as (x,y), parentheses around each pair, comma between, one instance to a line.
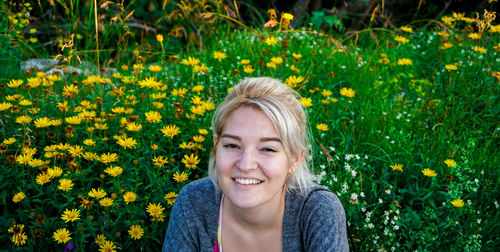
(405,124)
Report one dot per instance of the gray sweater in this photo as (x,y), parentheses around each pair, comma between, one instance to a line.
(314,222)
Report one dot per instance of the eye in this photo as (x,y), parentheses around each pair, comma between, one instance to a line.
(230,146)
(268,149)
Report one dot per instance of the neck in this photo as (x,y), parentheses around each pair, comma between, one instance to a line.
(268,215)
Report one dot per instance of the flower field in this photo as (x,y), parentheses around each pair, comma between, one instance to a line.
(405,124)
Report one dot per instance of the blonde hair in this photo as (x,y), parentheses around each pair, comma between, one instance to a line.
(281,106)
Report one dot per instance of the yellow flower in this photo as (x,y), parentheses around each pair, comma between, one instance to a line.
(70,215)
(170,197)
(154,68)
(429,173)
(159,38)
(150,82)
(18,197)
(190,161)
(170,130)
(5,106)
(293,80)
(9,141)
(106,202)
(450,162)
(297,56)
(65,184)
(295,69)
(89,142)
(347,92)
(277,60)
(24,158)
(474,36)
(287,16)
(457,203)
(200,68)
(245,61)
(248,69)
(75,151)
(136,232)
(401,39)
(271,65)
(62,235)
(479,49)
(23,119)
(160,161)
(25,102)
(70,90)
(190,61)
(15,83)
(198,110)
(203,131)
(127,142)
(446,45)
(100,239)
(99,193)
(397,167)
(322,127)
(451,67)
(406,29)
(43,178)
(156,211)
(107,246)
(180,177)
(133,126)
(199,138)
(73,119)
(129,197)
(55,172)
(306,102)
(114,171)
(326,93)
(404,62)
(219,55)
(197,88)
(271,41)
(19,238)
(16,228)
(153,117)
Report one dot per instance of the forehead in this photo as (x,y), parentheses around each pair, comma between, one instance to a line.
(249,121)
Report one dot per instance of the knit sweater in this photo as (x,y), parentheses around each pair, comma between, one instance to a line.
(312,222)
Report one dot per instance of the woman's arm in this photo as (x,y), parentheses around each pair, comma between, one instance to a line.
(324,223)
(178,237)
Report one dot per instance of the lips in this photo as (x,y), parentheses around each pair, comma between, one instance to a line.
(247,181)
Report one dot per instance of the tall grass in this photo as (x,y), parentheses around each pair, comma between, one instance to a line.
(405,129)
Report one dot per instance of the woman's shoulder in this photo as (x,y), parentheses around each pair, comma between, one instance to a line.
(199,190)
(318,194)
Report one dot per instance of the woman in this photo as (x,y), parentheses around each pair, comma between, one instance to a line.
(259,195)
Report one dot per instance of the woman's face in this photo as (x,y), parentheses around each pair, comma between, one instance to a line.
(251,162)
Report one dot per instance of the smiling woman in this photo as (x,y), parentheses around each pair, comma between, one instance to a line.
(259,196)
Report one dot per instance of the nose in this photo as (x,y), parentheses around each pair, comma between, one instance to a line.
(247,160)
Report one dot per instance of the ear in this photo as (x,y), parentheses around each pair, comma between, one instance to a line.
(296,162)
(214,137)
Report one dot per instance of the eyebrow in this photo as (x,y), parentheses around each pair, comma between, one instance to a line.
(264,139)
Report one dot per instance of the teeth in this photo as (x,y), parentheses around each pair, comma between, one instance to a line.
(247,181)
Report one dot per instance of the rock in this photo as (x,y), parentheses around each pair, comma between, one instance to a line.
(40,64)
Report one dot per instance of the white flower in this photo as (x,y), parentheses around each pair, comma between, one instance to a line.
(354,196)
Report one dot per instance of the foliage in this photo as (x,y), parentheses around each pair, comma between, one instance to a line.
(383,106)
